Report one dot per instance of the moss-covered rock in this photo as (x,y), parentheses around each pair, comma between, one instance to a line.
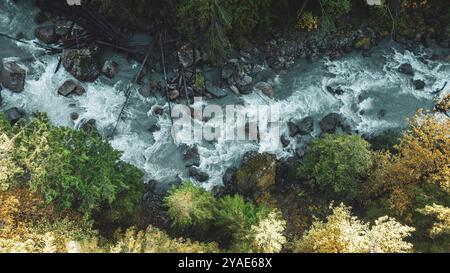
(256,175)
(83,63)
(362,43)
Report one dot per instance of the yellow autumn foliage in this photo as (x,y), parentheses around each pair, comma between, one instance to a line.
(422,158)
(152,240)
(268,235)
(26,226)
(344,233)
(442,214)
(7,167)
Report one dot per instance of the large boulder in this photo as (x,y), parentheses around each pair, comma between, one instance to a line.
(406,69)
(191,156)
(257,174)
(265,88)
(215,91)
(46,34)
(14,114)
(419,84)
(83,64)
(303,127)
(110,69)
(198,174)
(52,33)
(71,87)
(12,76)
(330,123)
(244,84)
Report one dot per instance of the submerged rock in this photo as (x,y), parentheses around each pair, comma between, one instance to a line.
(71,87)
(12,76)
(381,114)
(14,114)
(83,64)
(330,123)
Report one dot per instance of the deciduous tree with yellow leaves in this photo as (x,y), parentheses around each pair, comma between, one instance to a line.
(419,173)
(344,233)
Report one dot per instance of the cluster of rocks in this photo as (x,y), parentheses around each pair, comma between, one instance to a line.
(12,77)
(191,159)
(281,52)
(408,70)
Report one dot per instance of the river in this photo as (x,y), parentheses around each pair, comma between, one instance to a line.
(371,85)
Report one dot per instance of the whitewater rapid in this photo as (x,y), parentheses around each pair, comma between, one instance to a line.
(370,85)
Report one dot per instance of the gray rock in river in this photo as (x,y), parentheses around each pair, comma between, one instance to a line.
(335,91)
(46,35)
(265,88)
(330,123)
(83,64)
(71,87)
(215,91)
(284,141)
(190,154)
(419,84)
(198,174)
(244,84)
(14,114)
(12,76)
(406,69)
(110,69)
(302,127)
